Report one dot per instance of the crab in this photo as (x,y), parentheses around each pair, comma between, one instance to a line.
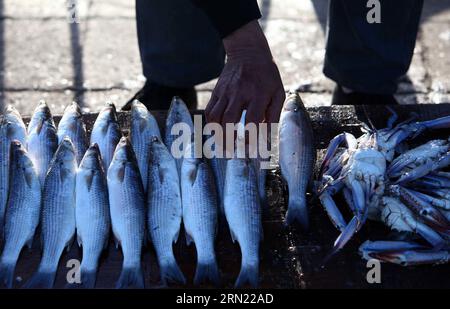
(398,191)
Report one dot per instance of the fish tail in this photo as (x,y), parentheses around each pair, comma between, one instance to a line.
(131,277)
(207,271)
(171,272)
(7,275)
(42,279)
(298,212)
(249,274)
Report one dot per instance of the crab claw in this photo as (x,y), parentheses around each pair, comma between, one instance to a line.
(332,210)
(427,212)
(413,257)
(350,142)
(416,173)
(351,229)
(368,248)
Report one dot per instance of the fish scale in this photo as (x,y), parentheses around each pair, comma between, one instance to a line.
(11,128)
(243,214)
(42,140)
(92,213)
(164,209)
(23,209)
(297,156)
(200,216)
(58,214)
(127,207)
(143,128)
(71,125)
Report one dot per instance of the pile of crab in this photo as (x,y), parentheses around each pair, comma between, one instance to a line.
(382,179)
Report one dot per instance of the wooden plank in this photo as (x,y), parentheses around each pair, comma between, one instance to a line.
(289,258)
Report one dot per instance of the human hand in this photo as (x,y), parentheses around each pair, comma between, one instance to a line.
(250,80)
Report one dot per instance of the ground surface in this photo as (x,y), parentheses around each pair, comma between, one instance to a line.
(43,56)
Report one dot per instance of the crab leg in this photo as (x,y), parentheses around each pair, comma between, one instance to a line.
(437,202)
(369,248)
(350,142)
(413,257)
(426,211)
(332,210)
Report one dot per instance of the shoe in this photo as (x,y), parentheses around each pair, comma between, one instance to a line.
(358,98)
(159,97)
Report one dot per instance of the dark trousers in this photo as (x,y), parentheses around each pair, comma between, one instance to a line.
(180,48)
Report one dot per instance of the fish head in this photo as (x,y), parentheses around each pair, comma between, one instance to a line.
(21,163)
(157,151)
(92,159)
(178,110)
(124,151)
(293,103)
(73,109)
(41,116)
(65,154)
(11,124)
(108,113)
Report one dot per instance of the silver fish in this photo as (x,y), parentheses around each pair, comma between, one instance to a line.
(42,140)
(200,216)
(143,128)
(180,116)
(219,167)
(127,206)
(23,209)
(164,209)
(71,125)
(91,213)
(243,213)
(58,214)
(106,133)
(11,128)
(297,156)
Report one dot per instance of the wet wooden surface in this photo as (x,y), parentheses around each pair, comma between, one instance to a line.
(289,258)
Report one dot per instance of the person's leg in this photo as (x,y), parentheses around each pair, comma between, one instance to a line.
(370,58)
(179,48)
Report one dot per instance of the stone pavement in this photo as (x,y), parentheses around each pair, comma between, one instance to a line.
(42,56)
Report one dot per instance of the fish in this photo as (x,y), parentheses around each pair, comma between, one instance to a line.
(58,214)
(164,211)
(219,167)
(127,207)
(143,128)
(11,128)
(297,157)
(243,214)
(71,125)
(42,140)
(23,209)
(179,121)
(106,133)
(93,221)
(200,215)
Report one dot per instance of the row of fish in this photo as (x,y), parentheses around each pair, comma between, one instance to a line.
(132,185)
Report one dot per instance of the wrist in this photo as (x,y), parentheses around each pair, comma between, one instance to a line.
(248,42)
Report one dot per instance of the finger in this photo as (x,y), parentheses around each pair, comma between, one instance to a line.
(233,112)
(274,109)
(217,110)
(209,108)
(256,110)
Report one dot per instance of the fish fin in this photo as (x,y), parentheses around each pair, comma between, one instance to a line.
(7,275)
(248,274)
(189,239)
(29,242)
(116,243)
(41,280)
(175,237)
(29,178)
(89,179)
(297,212)
(79,240)
(171,272)
(131,278)
(121,173)
(233,236)
(207,272)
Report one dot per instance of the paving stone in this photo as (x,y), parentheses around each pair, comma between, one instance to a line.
(436,40)
(37,54)
(95,100)
(43,8)
(111,55)
(26,101)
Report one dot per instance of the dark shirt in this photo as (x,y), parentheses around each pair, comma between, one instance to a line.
(229,15)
